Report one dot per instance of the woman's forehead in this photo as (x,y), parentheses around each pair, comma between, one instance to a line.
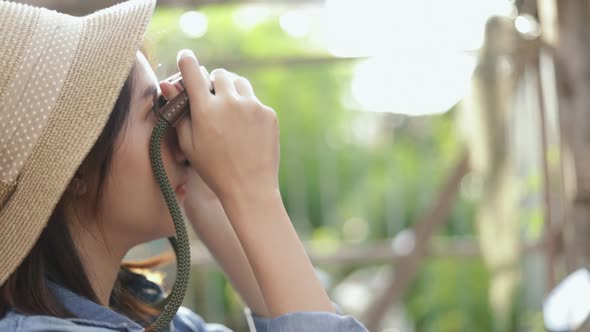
(145,74)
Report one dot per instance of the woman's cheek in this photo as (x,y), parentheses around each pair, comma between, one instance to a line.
(151,213)
(163,225)
(136,194)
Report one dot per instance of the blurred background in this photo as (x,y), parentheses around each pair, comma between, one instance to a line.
(433,153)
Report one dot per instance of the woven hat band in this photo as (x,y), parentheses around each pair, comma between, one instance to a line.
(31,95)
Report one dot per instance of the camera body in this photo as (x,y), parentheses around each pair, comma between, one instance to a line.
(173,110)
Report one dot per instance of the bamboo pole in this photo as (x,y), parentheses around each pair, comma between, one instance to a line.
(404,271)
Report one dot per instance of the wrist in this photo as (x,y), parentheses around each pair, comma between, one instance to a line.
(250,200)
(275,252)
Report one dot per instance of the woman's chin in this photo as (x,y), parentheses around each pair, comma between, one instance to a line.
(170,229)
(163,226)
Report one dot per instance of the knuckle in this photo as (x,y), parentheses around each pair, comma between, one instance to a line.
(250,103)
(273,118)
(241,78)
(266,112)
(269,110)
(244,83)
(272,115)
(217,72)
(257,107)
(233,101)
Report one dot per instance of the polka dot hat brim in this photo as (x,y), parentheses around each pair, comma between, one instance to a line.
(60,77)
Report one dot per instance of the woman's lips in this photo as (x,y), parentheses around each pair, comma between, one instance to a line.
(180,189)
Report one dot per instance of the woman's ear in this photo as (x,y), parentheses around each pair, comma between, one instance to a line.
(78,186)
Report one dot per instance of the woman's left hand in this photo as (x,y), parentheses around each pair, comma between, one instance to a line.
(198,188)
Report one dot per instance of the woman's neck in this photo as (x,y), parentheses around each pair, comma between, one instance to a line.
(101,257)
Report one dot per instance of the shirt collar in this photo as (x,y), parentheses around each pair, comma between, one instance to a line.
(91,313)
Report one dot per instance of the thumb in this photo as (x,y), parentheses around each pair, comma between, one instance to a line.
(183,127)
(184,131)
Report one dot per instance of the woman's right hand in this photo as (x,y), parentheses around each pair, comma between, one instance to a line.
(233,142)
(231,138)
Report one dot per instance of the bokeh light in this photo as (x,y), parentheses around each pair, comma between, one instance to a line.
(193,24)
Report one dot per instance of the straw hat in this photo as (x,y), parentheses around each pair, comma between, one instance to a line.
(60,77)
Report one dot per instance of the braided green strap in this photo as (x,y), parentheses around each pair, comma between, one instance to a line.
(180,243)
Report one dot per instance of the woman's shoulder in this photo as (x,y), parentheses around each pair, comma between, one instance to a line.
(184,321)
(17,322)
(187,320)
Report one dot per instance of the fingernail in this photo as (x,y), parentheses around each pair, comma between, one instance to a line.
(186,52)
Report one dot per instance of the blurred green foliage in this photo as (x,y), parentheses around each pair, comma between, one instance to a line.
(347,177)
(451,295)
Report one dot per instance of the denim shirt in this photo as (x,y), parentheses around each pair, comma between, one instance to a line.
(92,317)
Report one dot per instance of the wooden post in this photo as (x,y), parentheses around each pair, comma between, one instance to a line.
(406,268)
(486,121)
(572,55)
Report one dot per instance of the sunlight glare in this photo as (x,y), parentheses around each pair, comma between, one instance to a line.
(296,23)
(418,84)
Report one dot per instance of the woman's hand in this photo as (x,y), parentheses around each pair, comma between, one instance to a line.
(231,138)
(207,217)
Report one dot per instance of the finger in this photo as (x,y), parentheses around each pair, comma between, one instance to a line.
(177,82)
(169,90)
(244,87)
(176,79)
(224,85)
(206,73)
(192,77)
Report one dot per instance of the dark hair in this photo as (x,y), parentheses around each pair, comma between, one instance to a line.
(55,257)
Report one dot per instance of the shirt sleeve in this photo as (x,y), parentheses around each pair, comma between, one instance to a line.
(311,321)
(186,320)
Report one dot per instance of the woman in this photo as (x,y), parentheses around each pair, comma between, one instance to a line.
(77,189)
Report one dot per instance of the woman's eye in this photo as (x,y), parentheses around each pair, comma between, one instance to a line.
(162,101)
(152,113)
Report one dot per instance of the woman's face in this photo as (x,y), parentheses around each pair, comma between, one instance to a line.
(133,207)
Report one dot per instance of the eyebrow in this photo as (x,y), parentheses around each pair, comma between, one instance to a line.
(149,92)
